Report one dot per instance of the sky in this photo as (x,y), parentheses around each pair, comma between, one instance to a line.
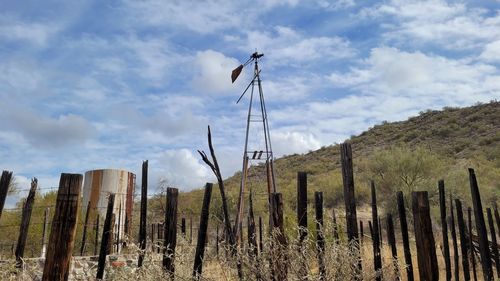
(107,84)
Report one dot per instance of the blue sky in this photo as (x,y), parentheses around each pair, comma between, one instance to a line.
(106,84)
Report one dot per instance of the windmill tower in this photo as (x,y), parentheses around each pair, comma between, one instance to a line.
(256,120)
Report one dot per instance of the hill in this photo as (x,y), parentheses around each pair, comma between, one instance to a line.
(433,145)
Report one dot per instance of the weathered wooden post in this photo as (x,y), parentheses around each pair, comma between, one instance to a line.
(202,233)
(190,229)
(444,229)
(370,226)
(25,223)
(4,188)
(361,231)
(377,258)
(62,233)
(252,237)
(44,231)
(96,238)
(391,238)
(381,232)
(170,231)
(261,241)
(350,200)
(144,210)
(480,227)
(302,221)
(494,245)
(183,227)
(471,245)
(106,237)
(84,237)
(454,241)
(279,269)
(404,234)
(159,236)
(463,239)
(426,250)
(320,238)
(497,217)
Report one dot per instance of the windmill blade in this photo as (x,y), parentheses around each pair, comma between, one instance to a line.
(236,72)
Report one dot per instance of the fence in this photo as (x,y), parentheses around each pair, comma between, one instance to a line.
(60,245)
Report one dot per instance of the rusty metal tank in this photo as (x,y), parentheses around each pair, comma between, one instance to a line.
(97,186)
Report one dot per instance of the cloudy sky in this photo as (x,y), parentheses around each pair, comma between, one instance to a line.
(101,84)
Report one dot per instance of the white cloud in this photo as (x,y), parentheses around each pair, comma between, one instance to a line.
(213,73)
(287,142)
(182,168)
(287,46)
(491,52)
(450,25)
(34,33)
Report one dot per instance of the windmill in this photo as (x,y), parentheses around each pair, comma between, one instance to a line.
(259,117)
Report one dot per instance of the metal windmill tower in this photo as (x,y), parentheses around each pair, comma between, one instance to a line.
(259,117)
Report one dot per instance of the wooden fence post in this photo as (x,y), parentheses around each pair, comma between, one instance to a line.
(320,238)
(190,229)
(84,237)
(404,234)
(144,210)
(4,188)
(391,238)
(350,200)
(463,239)
(44,231)
(426,250)
(106,237)
(62,233)
(25,223)
(494,245)
(444,229)
(480,227)
(202,233)
(361,231)
(471,245)
(170,231)
(456,257)
(261,242)
(497,218)
(381,232)
(279,267)
(302,221)
(96,238)
(183,227)
(252,237)
(377,258)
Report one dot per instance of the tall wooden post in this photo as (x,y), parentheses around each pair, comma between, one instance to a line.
(25,222)
(84,237)
(377,258)
(252,237)
(4,188)
(106,237)
(494,245)
(480,227)
(62,233)
(426,250)
(320,237)
(170,231)
(279,267)
(144,210)
(497,218)
(202,233)
(350,200)
(471,245)
(444,229)
(463,239)
(404,234)
(261,241)
(302,221)
(456,257)
(361,231)
(44,231)
(96,238)
(391,238)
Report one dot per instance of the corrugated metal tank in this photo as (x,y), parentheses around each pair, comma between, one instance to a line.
(97,186)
